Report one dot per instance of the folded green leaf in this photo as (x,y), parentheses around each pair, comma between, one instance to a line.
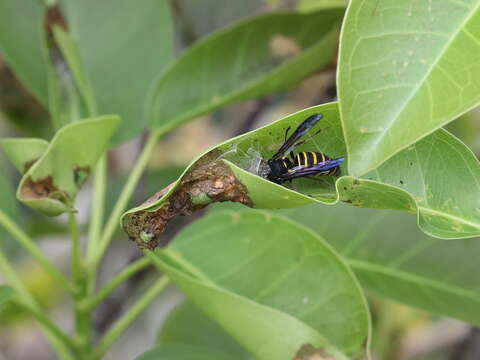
(256,57)
(213,179)
(443,176)
(405,69)
(51,183)
(21,43)
(326,309)
(438,178)
(392,258)
(183,352)
(23,152)
(123,52)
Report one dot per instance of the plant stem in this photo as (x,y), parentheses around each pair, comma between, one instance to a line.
(82,316)
(58,342)
(28,244)
(98,207)
(128,318)
(124,197)
(129,271)
(96,218)
(76,250)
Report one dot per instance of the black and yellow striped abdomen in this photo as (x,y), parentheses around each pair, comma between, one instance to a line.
(311,158)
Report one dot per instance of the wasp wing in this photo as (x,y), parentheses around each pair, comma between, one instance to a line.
(301,171)
(302,129)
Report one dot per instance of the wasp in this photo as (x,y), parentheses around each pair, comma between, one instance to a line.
(284,165)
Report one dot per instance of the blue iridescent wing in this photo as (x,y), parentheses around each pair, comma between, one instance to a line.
(301,171)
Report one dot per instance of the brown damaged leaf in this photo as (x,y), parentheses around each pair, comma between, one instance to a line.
(41,188)
(45,187)
(209,181)
(51,184)
(80,174)
(54,17)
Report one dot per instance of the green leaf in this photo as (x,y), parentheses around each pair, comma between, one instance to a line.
(6,293)
(443,176)
(325,309)
(50,185)
(392,258)
(183,352)
(70,95)
(256,57)
(436,178)
(405,69)
(186,324)
(23,152)
(21,43)
(122,56)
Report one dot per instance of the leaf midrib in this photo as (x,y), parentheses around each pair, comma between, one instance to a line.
(412,278)
(448,216)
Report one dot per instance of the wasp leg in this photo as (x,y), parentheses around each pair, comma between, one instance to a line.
(337,171)
(303,142)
